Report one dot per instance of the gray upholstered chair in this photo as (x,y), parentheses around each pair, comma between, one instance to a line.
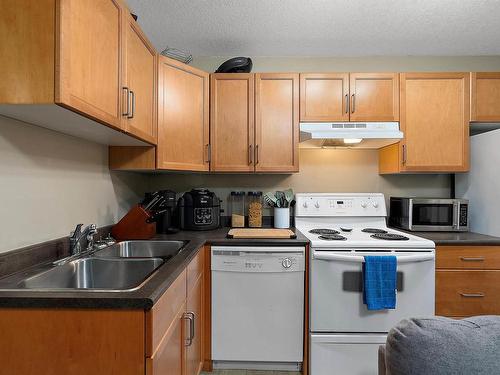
(442,346)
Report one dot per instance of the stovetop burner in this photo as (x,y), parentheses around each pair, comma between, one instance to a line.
(389,236)
(374,230)
(332,237)
(324,231)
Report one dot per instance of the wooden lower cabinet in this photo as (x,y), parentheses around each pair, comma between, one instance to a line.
(170,355)
(168,339)
(467,280)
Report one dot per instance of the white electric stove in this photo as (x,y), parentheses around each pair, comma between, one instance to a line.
(343,228)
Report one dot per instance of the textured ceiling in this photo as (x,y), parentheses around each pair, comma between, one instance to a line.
(322,27)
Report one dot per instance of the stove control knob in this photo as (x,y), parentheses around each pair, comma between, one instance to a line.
(316,204)
(363,204)
(286,263)
(375,204)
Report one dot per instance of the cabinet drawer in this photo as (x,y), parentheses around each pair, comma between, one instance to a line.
(467,293)
(195,269)
(468,257)
(164,313)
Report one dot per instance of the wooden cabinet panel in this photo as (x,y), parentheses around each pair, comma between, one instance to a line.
(183,118)
(194,353)
(324,97)
(467,293)
(88,58)
(163,313)
(195,269)
(485,100)
(276,122)
(71,341)
(232,122)
(468,257)
(170,356)
(374,96)
(139,73)
(435,122)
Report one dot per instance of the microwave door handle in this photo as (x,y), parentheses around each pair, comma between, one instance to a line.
(361,259)
(456,215)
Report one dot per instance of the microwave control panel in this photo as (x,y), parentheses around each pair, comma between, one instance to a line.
(463,215)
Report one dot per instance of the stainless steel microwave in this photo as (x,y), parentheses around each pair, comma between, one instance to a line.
(429,214)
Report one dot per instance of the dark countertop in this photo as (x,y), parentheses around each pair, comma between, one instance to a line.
(146,296)
(458,238)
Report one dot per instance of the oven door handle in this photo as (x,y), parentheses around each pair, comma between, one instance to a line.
(361,259)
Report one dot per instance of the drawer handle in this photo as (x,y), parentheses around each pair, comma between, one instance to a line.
(472,295)
(189,316)
(472,259)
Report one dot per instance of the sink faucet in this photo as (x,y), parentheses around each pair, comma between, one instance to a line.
(77,235)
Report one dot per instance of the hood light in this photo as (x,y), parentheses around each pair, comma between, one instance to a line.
(352,141)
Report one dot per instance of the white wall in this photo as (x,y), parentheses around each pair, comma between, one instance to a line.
(361,64)
(321,170)
(49,182)
(482,184)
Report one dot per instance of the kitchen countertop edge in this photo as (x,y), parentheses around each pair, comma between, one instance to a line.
(148,294)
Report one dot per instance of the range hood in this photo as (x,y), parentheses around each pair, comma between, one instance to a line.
(371,135)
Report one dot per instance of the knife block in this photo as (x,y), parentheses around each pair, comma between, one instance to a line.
(134,226)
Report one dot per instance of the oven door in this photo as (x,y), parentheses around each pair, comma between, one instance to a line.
(337,296)
(433,214)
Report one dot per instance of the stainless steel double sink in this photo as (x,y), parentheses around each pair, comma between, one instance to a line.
(123,266)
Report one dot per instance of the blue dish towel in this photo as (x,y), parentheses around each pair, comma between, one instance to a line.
(379,282)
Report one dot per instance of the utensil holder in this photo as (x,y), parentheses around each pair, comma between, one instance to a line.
(134,225)
(282,217)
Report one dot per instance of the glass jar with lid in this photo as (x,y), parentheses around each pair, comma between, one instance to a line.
(255,209)
(237,209)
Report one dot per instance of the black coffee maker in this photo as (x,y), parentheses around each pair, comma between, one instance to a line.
(168,221)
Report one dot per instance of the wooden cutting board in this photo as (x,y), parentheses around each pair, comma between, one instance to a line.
(260,233)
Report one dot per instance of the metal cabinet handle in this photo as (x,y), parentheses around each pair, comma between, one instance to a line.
(190,317)
(472,295)
(346,103)
(209,152)
(125,88)
(257,154)
(250,154)
(472,259)
(353,107)
(404,154)
(132,95)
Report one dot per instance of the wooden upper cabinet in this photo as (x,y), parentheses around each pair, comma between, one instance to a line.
(276,122)
(139,89)
(183,117)
(485,100)
(435,122)
(324,97)
(88,58)
(374,96)
(232,122)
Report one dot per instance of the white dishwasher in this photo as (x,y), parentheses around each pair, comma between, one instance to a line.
(257,307)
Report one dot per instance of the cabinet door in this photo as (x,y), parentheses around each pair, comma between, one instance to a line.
(324,97)
(232,122)
(276,122)
(194,354)
(88,58)
(183,122)
(435,122)
(485,103)
(374,96)
(170,355)
(139,92)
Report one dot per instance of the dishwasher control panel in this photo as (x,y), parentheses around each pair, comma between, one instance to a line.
(251,259)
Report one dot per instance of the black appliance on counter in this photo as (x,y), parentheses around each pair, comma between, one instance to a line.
(168,221)
(199,209)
